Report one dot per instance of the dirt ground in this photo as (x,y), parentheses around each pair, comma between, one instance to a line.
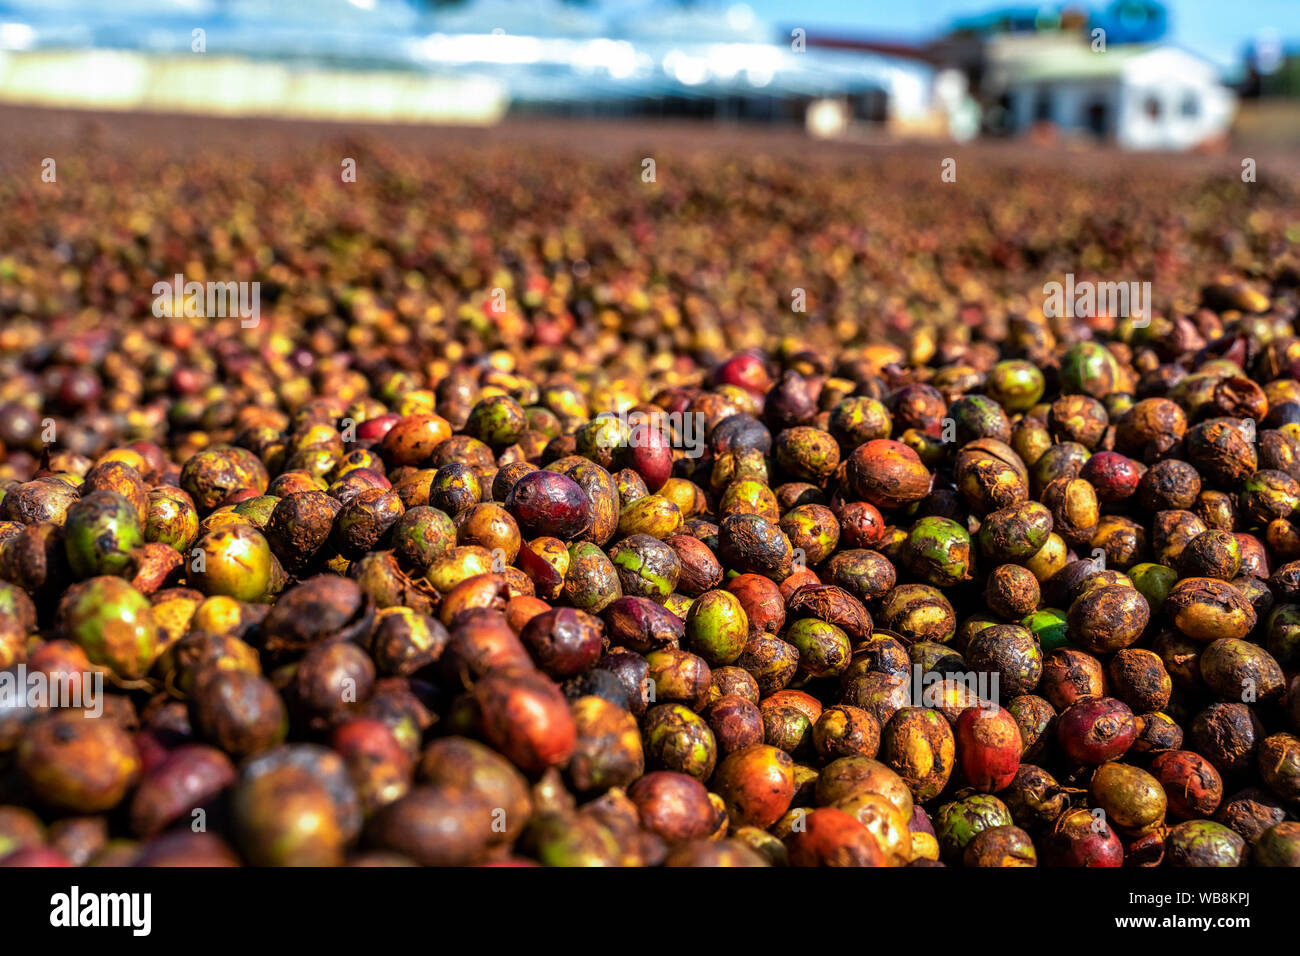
(23,130)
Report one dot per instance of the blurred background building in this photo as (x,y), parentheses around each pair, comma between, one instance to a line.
(1002,72)
(408,60)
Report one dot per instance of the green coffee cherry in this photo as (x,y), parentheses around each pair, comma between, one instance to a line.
(1015,384)
(102,529)
(646,566)
(938,551)
(1089,368)
(653,515)
(234,560)
(591,582)
(1049,625)
(959,822)
(113,623)
(171,519)
(1154,581)
(717,627)
(423,535)
(824,649)
(498,420)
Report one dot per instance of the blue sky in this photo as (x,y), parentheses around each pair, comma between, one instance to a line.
(1214,28)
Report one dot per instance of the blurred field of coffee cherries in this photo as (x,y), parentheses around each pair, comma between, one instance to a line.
(531,522)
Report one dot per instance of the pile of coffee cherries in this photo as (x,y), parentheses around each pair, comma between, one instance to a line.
(578,574)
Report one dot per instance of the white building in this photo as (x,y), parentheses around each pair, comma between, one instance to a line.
(419,61)
(1136,96)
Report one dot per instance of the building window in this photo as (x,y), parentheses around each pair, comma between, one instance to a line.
(1096,117)
(1043,106)
(1152,108)
(872,106)
(1191,105)
(1001,118)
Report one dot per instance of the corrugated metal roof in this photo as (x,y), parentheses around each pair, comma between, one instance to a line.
(544,50)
